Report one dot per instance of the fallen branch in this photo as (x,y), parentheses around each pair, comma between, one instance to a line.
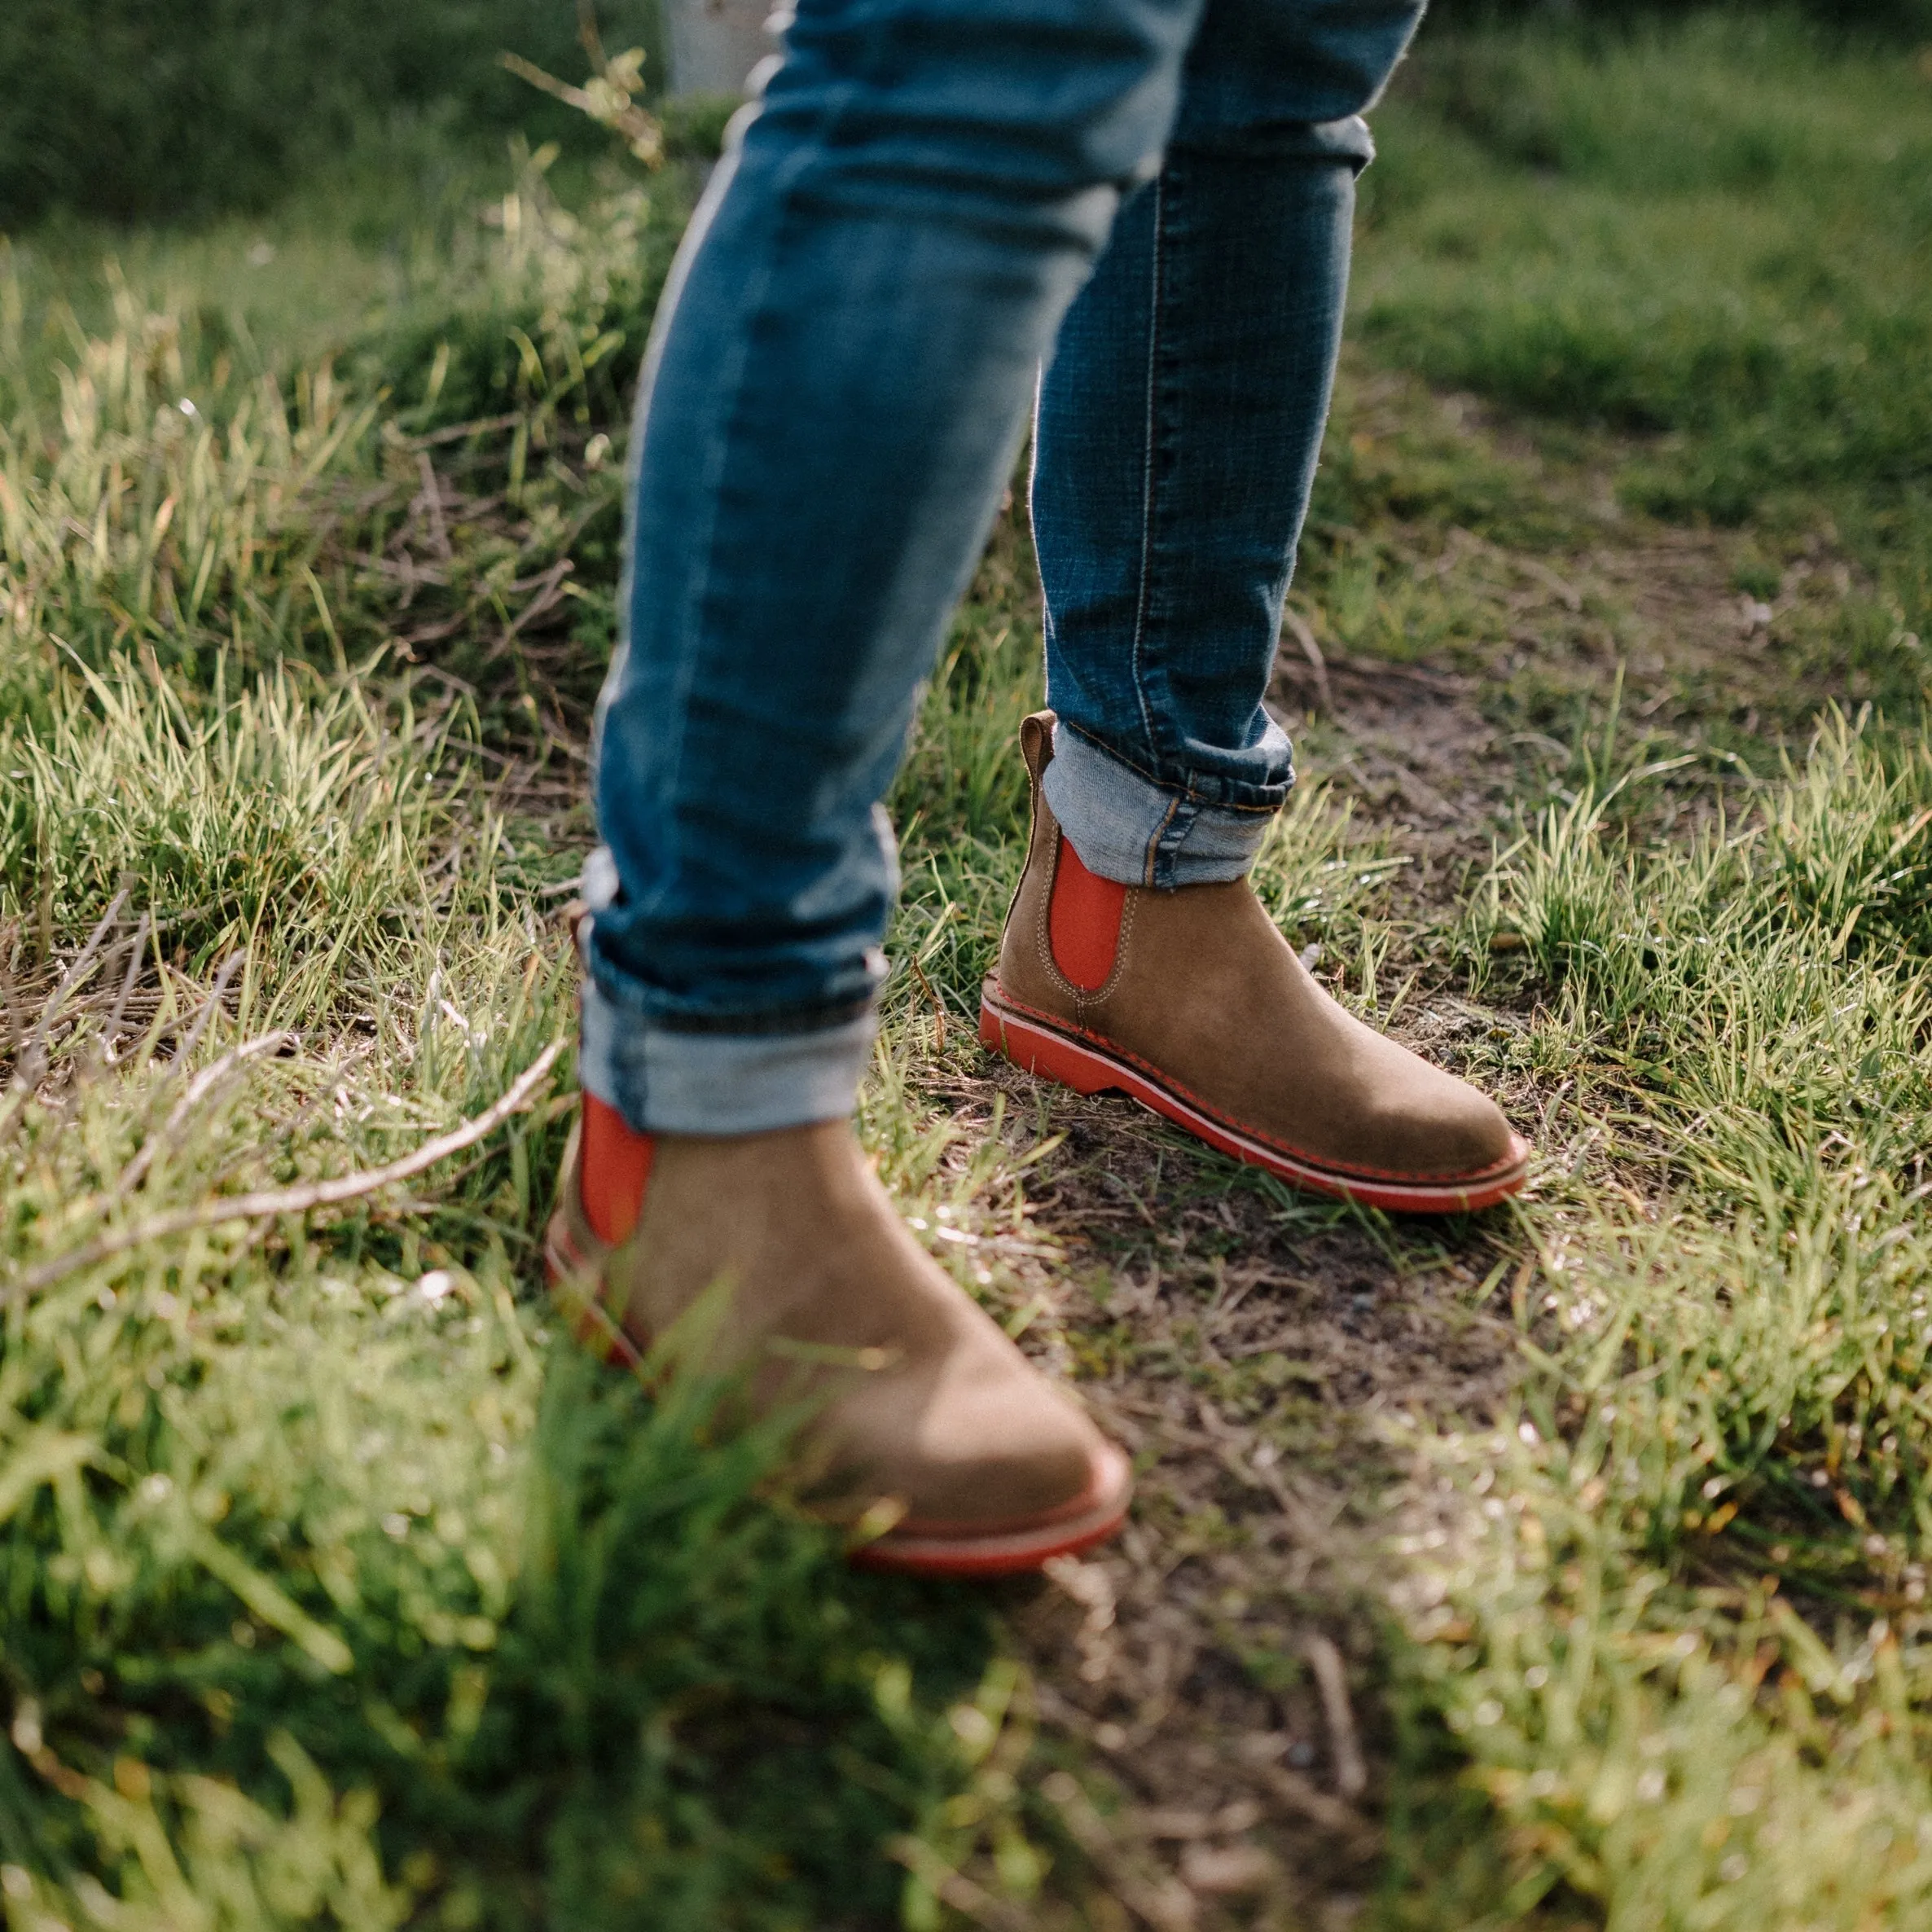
(272,1202)
(32,1060)
(1156,1900)
(549,587)
(432,499)
(203,1083)
(1298,1795)
(188,1041)
(1351,1774)
(456,432)
(1296,627)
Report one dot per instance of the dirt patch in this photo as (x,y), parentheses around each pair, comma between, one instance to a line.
(1258,1352)
(1225,1664)
(1248,1347)
(1415,740)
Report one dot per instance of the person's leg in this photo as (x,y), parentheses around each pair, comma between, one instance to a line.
(1178,427)
(831,405)
(831,410)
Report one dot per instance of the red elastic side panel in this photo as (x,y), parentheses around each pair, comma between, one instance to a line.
(1083,922)
(615,1163)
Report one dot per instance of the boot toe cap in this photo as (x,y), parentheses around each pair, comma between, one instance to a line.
(981,1444)
(1453,1131)
(1004,1463)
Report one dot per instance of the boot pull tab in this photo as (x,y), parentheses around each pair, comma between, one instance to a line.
(1036,743)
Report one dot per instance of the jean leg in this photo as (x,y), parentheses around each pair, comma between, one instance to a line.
(1178,429)
(831,407)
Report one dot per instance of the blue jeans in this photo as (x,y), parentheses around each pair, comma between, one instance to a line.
(933,198)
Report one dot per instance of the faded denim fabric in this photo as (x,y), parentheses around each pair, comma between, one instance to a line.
(830,408)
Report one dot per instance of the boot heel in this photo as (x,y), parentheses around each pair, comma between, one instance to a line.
(1033,1050)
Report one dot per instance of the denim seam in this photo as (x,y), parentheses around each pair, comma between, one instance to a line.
(703,218)
(1149,871)
(1173,836)
(1170,189)
(697,589)
(1147,477)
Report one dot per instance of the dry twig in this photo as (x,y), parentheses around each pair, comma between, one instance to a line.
(31,1063)
(431,500)
(954,1889)
(1351,1774)
(271,1202)
(136,947)
(198,1089)
(1296,627)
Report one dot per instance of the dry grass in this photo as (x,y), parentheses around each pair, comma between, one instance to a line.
(1560,1567)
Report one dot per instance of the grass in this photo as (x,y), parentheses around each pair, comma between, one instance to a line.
(1718,1483)
(340,1592)
(1547,201)
(335,1587)
(128,117)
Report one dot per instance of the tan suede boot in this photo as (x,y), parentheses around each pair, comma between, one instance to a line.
(1193,1002)
(925,1415)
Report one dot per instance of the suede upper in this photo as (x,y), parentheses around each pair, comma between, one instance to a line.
(1205,993)
(916,1392)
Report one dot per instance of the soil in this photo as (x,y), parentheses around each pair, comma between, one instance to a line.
(1226,1660)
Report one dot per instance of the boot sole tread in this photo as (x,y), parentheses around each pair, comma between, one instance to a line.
(1037,1043)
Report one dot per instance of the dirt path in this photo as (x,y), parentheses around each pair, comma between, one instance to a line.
(1227,1662)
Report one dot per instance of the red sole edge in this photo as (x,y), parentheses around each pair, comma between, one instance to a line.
(1042,1050)
(1016,1551)
(962,1560)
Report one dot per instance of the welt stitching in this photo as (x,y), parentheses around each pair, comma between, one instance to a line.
(1107,987)
(1153,843)
(1032,839)
(1042,929)
(1228,1120)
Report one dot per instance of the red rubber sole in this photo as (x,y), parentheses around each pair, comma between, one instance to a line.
(909,1548)
(1087,1067)
(1090,1518)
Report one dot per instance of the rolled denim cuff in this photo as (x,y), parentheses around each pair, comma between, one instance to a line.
(663,1082)
(1127,829)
